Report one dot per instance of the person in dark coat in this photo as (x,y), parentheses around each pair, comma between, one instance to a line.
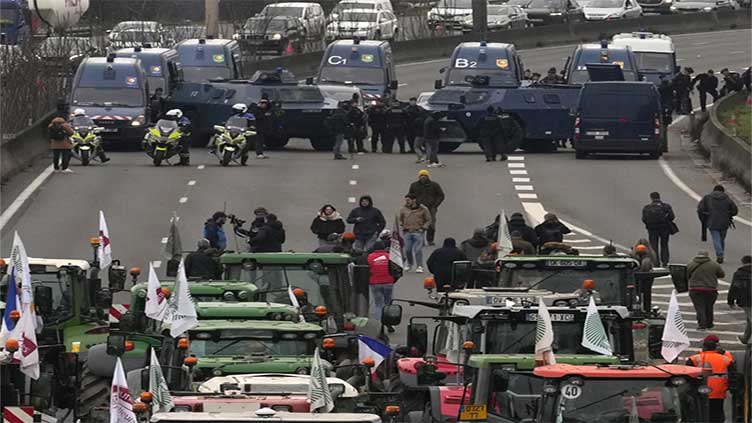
(339,127)
(432,137)
(396,127)
(203,262)
(413,112)
(716,212)
(703,276)
(666,91)
(520,246)
(440,262)
(328,222)
(429,194)
(682,85)
(492,136)
(551,230)
(472,247)
(658,218)
(732,82)
(270,237)
(377,120)
(367,223)
(214,233)
(264,126)
(707,83)
(356,119)
(517,223)
(740,294)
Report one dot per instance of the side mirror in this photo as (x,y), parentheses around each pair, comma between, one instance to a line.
(461,271)
(500,380)
(437,84)
(393,85)
(391,315)
(116,276)
(417,337)
(249,133)
(43,300)
(309,80)
(116,345)
(679,277)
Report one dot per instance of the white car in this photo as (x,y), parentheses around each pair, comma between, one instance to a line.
(311,14)
(449,13)
(363,23)
(606,10)
(359,4)
(136,34)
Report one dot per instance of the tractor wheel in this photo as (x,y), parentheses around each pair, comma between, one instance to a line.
(94,392)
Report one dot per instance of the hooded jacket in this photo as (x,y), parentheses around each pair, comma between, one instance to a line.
(740,292)
(215,234)
(323,226)
(472,247)
(703,274)
(440,261)
(428,193)
(367,221)
(551,231)
(717,209)
(517,223)
(269,238)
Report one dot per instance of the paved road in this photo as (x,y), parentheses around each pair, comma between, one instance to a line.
(601,197)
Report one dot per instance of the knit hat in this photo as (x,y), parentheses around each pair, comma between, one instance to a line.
(423,172)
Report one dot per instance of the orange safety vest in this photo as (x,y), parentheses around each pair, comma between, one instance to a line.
(715,369)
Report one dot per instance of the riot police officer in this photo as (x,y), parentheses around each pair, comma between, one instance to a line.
(377,121)
(358,127)
(492,135)
(241,110)
(667,95)
(184,124)
(264,125)
(413,128)
(396,126)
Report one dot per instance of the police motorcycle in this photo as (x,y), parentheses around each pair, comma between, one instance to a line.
(230,143)
(87,144)
(163,140)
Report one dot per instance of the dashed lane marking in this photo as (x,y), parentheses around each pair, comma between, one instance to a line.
(24,196)
(668,285)
(515,165)
(191,183)
(578,241)
(520,179)
(516,158)
(183,200)
(527,196)
(591,247)
(523,187)
(157,264)
(655,294)
(199,167)
(353,182)
(164,240)
(737,52)
(517,172)
(356,167)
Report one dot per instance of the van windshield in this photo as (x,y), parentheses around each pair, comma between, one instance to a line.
(456,4)
(282,11)
(116,96)
(204,73)
(354,75)
(634,105)
(655,62)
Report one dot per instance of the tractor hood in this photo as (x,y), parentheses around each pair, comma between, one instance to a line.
(212,366)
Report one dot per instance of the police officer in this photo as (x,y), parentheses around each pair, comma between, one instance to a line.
(241,110)
(358,126)
(338,127)
(720,369)
(156,104)
(552,77)
(682,85)
(81,119)
(396,124)
(377,121)
(184,124)
(666,91)
(492,135)
(413,129)
(732,82)
(707,83)
(264,125)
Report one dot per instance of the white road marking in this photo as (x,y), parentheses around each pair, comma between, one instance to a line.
(592,235)
(157,264)
(716,323)
(523,187)
(518,172)
(199,167)
(668,284)
(356,167)
(703,43)
(183,200)
(520,179)
(527,196)
(164,240)
(351,199)
(24,196)
(191,183)
(515,158)
(687,190)
(516,165)
(402,84)
(737,52)
(353,182)
(684,294)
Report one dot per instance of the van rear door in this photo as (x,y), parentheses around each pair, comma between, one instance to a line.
(620,111)
(604,72)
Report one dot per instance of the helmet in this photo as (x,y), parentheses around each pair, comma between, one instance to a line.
(175,113)
(240,107)
(79,112)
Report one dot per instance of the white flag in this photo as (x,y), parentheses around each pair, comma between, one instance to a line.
(158,386)
(121,404)
(25,334)
(544,335)
(181,312)
(594,335)
(504,243)
(19,262)
(674,339)
(156,303)
(395,245)
(104,252)
(319,394)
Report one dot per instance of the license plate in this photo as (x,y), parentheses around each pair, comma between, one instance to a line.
(109,130)
(473,412)
(555,317)
(598,137)
(596,133)
(566,263)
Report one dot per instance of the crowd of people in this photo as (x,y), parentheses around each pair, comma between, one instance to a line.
(675,92)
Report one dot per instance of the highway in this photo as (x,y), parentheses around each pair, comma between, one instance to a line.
(602,197)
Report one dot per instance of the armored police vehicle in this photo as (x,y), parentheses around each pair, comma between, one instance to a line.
(162,66)
(368,65)
(115,93)
(655,54)
(205,60)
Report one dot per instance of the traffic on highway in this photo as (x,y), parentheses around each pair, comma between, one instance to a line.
(494,235)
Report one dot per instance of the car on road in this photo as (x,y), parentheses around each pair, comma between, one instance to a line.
(203,59)
(692,6)
(138,33)
(275,34)
(364,24)
(655,54)
(311,14)
(65,53)
(500,16)
(607,10)
(449,14)
(359,4)
(545,12)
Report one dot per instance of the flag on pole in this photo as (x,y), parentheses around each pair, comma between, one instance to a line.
(319,394)
(373,349)
(173,248)
(28,353)
(158,386)
(674,339)
(156,303)
(181,313)
(11,304)
(121,404)
(19,263)
(594,335)
(544,335)
(395,245)
(504,243)
(104,252)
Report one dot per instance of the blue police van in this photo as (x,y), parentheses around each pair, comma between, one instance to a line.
(498,62)
(366,64)
(203,60)
(162,66)
(115,93)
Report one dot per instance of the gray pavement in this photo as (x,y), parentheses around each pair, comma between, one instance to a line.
(602,197)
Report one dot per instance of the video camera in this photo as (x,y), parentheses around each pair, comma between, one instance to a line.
(235,221)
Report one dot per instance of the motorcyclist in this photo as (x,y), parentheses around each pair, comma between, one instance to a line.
(241,111)
(184,124)
(81,119)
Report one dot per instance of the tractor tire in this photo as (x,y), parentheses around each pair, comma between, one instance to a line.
(158,157)
(448,147)
(94,392)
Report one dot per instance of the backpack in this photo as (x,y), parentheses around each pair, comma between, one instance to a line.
(655,214)
(57,132)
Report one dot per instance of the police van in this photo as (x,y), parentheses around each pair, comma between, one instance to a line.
(368,65)
(162,66)
(655,54)
(203,60)
(115,93)
(603,53)
(498,62)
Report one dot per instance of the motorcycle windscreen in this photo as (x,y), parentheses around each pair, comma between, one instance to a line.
(604,72)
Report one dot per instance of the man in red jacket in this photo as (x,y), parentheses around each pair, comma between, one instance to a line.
(381,280)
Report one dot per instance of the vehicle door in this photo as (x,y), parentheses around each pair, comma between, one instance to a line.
(632,9)
(573,10)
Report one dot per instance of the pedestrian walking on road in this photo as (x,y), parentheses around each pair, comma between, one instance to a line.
(432,136)
(719,378)
(327,222)
(441,260)
(356,118)
(472,247)
(367,223)
(214,233)
(551,230)
(202,263)
(60,143)
(414,112)
(716,212)
(429,194)
(703,275)
(658,218)
(381,281)
(491,135)
(740,294)
(707,83)
(414,219)
(396,127)
(265,123)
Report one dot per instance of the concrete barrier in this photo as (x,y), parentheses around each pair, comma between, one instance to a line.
(727,152)
(304,65)
(24,148)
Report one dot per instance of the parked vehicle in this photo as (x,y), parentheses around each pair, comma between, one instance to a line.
(607,10)
(231,140)
(655,54)
(275,34)
(311,14)
(138,34)
(364,24)
(545,12)
(691,6)
(500,16)
(449,14)
(374,5)
(204,60)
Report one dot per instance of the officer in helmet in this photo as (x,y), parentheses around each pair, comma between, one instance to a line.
(241,110)
(80,119)
(184,124)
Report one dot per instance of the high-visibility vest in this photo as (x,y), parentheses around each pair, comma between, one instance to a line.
(715,369)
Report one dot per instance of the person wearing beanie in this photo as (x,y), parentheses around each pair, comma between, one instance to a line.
(703,275)
(202,263)
(716,212)
(328,221)
(520,246)
(430,194)
(473,246)
(381,281)
(551,230)
(517,223)
(441,260)
(740,294)
(721,372)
